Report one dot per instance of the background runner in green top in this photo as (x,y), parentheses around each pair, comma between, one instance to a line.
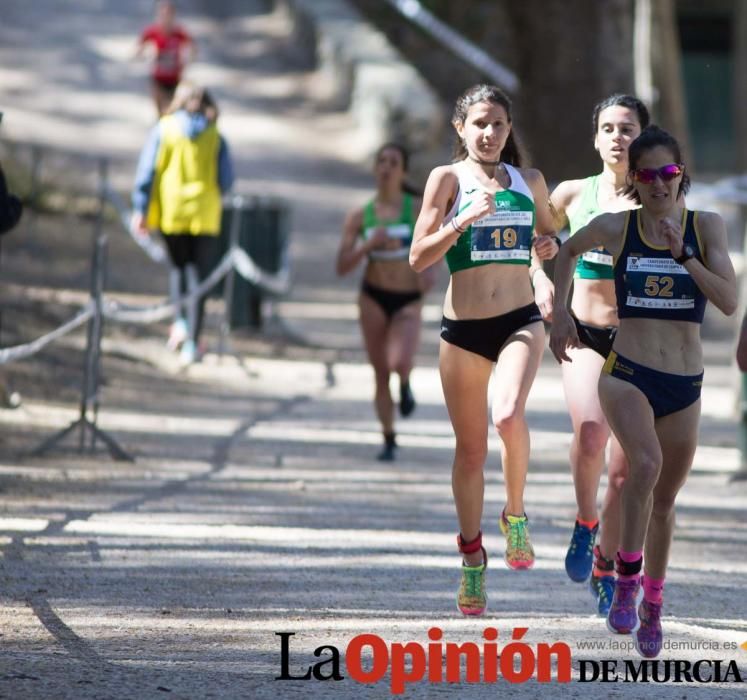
(594,264)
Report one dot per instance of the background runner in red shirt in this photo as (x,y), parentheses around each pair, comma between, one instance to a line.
(172,48)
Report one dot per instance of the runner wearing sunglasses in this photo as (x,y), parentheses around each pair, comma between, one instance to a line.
(668,262)
(617,120)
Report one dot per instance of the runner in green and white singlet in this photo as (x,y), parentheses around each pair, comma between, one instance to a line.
(488,217)
(391,296)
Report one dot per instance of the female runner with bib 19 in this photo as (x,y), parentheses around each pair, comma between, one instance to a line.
(482,213)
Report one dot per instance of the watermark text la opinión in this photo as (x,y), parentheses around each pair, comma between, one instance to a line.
(367,659)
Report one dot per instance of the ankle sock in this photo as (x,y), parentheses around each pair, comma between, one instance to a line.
(653,589)
(470,547)
(628,565)
(602,565)
(591,524)
(480,563)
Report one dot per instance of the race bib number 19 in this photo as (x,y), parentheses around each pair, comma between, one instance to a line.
(502,236)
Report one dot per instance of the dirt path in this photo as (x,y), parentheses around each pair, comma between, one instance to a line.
(255,506)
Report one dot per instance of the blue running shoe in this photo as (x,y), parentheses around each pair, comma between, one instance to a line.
(580,554)
(602,588)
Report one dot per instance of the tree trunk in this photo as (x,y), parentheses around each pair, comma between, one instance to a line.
(740,85)
(669,107)
(570,55)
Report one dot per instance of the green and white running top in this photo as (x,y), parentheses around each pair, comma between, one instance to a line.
(594,264)
(502,237)
(401,229)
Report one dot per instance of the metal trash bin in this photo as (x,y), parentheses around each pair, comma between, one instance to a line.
(262,232)
(741,473)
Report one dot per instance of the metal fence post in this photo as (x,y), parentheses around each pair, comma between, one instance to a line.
(97,291)
(234,232)
(89,398)
(33,193)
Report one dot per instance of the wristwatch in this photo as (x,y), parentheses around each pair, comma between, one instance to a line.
(688,253)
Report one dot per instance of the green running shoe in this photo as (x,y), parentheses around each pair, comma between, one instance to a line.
(472,598)
(519,551)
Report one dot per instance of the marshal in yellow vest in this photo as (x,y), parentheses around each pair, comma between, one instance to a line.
(186,197)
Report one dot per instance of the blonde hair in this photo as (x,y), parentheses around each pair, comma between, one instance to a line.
(193,98)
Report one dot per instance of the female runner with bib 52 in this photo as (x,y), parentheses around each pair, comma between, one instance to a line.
(668,263)
(481,212)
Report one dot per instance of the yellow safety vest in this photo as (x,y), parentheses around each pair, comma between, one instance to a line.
(185,197)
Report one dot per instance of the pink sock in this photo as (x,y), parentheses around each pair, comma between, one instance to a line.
(653,588)
(629,558)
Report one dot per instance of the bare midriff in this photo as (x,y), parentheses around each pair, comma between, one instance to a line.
(666,346)
(486,291)
(594,302)
(392,275)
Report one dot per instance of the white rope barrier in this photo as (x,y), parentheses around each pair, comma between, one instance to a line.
(17,352)
(278,283)
(237,259)
(115,311)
